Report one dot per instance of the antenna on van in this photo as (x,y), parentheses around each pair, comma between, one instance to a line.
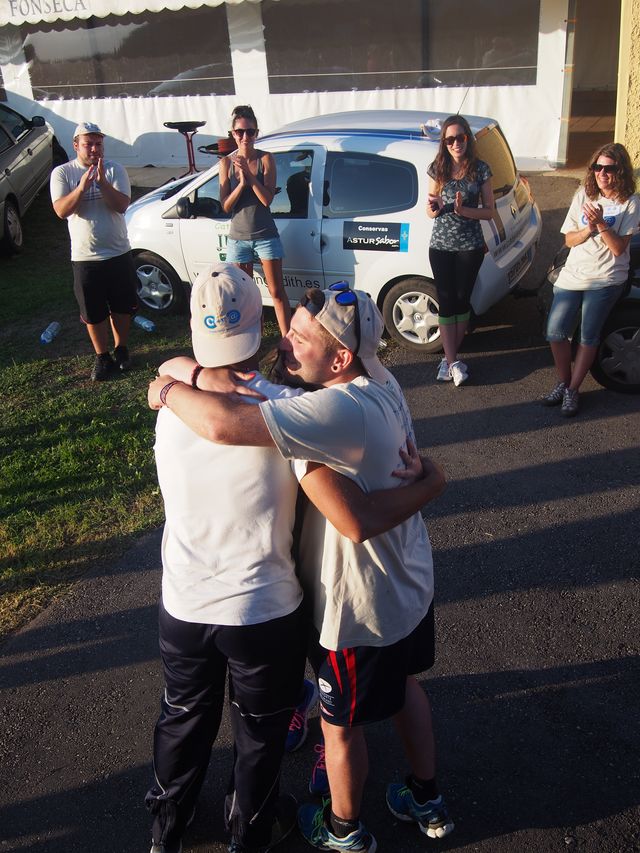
(459,112)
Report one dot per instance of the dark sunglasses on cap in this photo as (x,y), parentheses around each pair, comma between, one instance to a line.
(459,137)
(608,168)
(240,131)
(313,300)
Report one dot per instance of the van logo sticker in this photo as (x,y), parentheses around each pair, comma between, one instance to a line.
(376,236)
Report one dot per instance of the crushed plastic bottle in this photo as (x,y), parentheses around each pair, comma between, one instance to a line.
(50,332)
(144,323)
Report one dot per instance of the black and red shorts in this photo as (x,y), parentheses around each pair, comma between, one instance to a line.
(366,684)
(105,287)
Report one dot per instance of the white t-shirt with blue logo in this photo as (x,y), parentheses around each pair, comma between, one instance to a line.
(592,265)
(226,548)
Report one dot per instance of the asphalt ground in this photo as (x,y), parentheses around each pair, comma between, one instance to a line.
(536,686)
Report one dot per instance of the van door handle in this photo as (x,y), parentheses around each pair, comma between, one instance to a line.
(29,152)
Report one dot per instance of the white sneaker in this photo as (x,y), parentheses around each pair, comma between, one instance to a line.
(444,374)
(459,372)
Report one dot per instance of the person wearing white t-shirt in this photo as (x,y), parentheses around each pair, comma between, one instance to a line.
(230,596)
(603,215)
(92,194)
(371,598)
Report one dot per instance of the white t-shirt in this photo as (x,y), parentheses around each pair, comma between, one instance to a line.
(592,265)
(374,593)
(97,232)
(226,548)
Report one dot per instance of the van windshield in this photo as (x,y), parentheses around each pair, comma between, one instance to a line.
(492,147)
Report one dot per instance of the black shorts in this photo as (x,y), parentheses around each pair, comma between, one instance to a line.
(105,287)
(367,684)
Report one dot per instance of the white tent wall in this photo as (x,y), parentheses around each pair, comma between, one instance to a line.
(529,115)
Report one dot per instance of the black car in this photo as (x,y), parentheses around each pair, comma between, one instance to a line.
(617,364)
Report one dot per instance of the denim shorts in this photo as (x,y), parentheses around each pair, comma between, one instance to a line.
(242,251)
(590,307)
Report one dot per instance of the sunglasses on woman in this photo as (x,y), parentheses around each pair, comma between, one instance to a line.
(607,168)
(240,131)
(313,301)
(451,140)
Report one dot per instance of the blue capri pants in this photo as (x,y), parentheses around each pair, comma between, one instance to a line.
(592,306)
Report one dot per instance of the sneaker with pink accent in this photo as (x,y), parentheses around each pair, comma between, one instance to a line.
(298,726)
(319,781)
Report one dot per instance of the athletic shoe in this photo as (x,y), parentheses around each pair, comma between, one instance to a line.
(122,358)
(459,372)
(103,368)
(298,726)
(176,846)
(311,822)
(444,373)
(569,403)
(319,781)
(285,820)
(167,848)
(432,817)
(554,397)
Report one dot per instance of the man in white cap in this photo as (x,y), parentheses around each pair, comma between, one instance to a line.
(230,596)
(372,600)
(92,194)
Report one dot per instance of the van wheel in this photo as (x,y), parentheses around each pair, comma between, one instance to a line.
(159,286)
(410,312)
(617,364)
(12,238)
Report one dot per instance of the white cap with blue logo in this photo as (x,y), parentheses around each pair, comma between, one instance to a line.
(226,316)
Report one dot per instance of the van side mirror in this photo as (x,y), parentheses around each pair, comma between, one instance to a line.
(38,121)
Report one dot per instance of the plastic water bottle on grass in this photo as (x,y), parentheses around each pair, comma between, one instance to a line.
(50,332)
(144,323)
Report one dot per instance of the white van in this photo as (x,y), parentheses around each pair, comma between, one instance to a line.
(351,204)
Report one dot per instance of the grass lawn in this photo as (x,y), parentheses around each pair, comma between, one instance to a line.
(78,481)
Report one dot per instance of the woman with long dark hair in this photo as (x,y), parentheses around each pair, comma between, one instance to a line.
(247,188)
(603,215)
(458,181)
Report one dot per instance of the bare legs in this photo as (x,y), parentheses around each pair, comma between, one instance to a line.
(415,728)
(99,332)
(275,286)
(273,275)
(346,751)
(347,767)
(585,356)
(452,335)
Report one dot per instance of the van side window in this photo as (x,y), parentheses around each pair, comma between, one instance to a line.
(367,185)
(293,176)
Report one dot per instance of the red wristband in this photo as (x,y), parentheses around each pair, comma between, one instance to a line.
(197,370)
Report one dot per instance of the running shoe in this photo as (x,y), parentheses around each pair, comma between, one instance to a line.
(283,823)
(104,367)
(298,726)
(444,373)
(122,358)
(432,817)
(554,397)
(312,825)
(459,372)
(569,406)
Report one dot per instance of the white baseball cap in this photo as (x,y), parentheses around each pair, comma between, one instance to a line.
(353,318)
(226,316)
(85,128)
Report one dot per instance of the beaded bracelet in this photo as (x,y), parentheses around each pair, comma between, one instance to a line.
(197,370)
(165,390)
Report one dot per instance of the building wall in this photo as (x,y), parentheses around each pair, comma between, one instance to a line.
(628,105)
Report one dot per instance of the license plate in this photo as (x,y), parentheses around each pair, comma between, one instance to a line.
(520,265)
